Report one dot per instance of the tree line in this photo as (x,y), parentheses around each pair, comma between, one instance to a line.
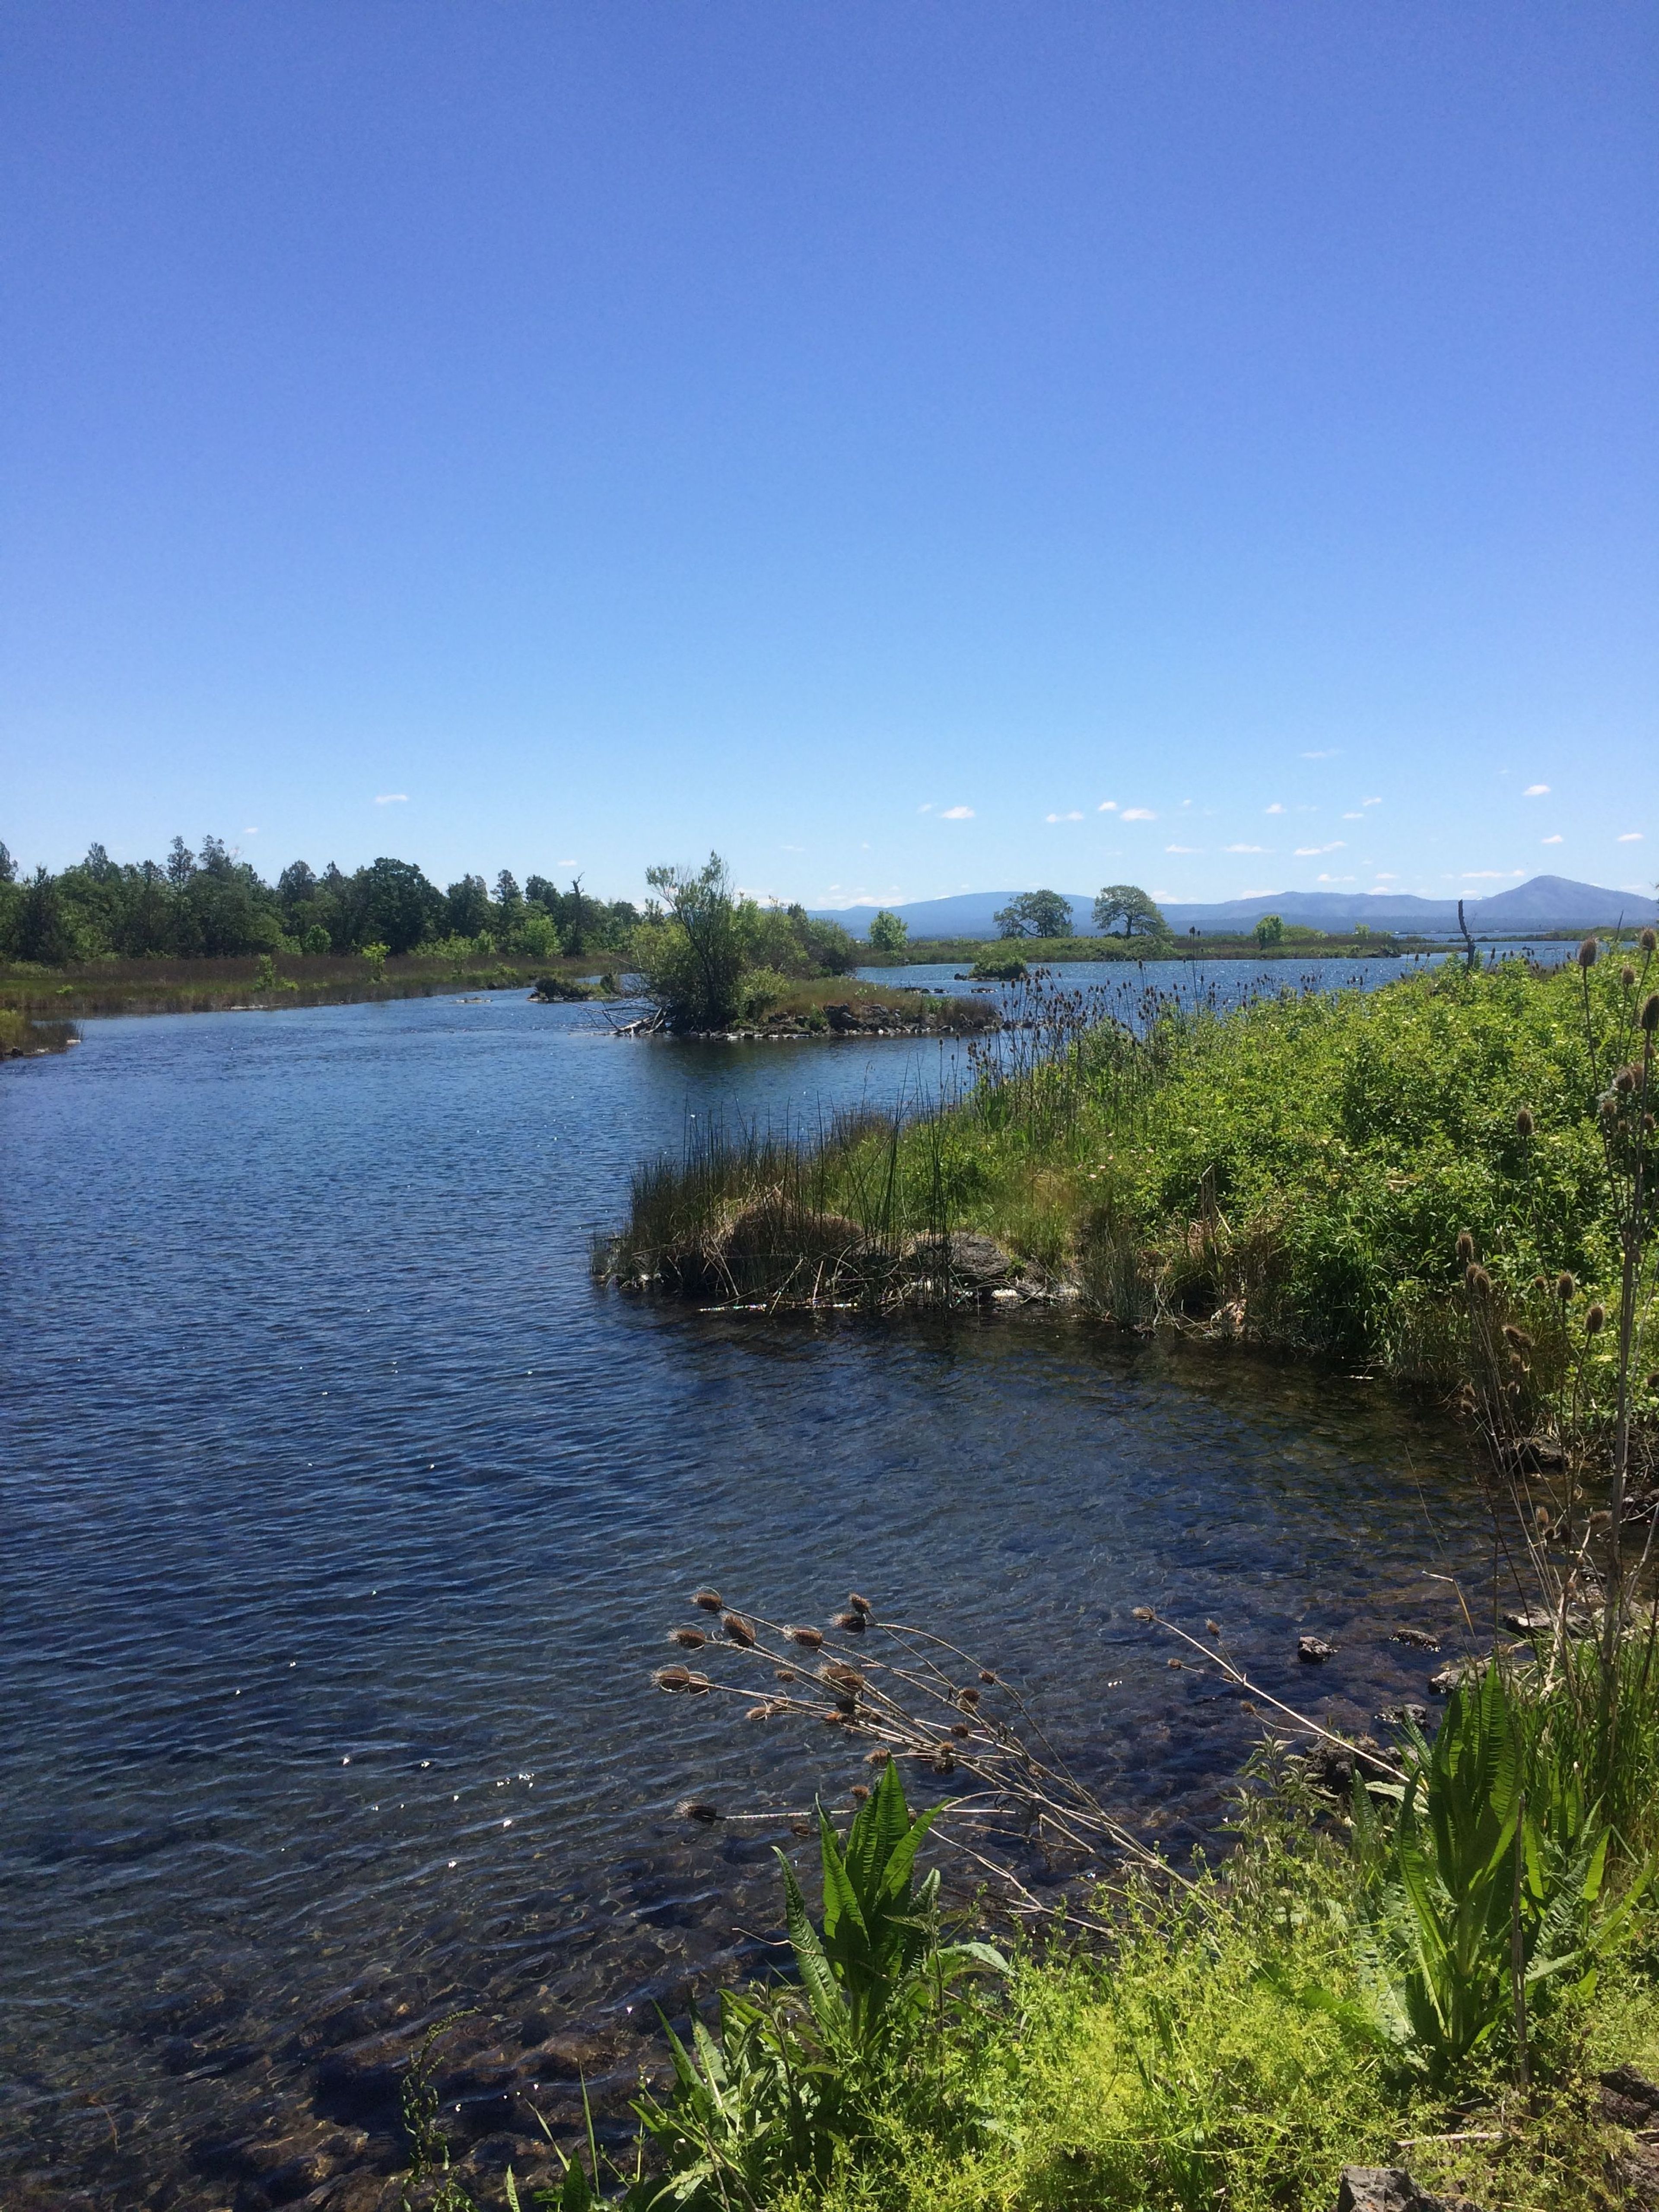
(196,905)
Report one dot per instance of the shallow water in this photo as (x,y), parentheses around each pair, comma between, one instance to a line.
(343,1518)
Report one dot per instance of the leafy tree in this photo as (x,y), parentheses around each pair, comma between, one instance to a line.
(42,929)
(1035,914)
(466,907)
(693,960)
(508,915)
(888,932)
(1128,904)
(1269,930)
(8,866)
(181,863)
(399,905)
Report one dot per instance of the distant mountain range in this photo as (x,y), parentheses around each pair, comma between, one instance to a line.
(1546,902)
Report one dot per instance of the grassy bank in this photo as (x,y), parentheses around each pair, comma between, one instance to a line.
(832,1005)
(207,986)
(1297,1172)
(1451,1967)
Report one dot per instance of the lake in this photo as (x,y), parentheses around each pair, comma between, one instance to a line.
(345,1519)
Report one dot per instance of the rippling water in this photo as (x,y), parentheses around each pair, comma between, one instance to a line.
(344,1517)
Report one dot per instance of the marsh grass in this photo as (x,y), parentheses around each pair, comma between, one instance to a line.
(206,986)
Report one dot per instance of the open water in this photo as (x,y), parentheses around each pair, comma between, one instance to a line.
(342,1518)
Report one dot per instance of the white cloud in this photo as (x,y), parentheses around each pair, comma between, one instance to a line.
(398,799)
(1626,837)
(250,833)
(1107,807)
(1309,852)
(1370,802)
(1246,849)
(1487,875)
(1324,878)
(791,848)
(1536,791)
(927,808)
(1182,849)
(1355,817)
(1139,814)
(958,814)
(1275,808)
(1075,816)
(1330,753)
(1556,840)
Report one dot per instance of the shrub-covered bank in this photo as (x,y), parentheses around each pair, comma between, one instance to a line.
(1297,1171)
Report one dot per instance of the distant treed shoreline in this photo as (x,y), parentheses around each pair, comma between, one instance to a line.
(210,905)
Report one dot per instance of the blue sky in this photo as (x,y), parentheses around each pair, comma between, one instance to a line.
(910,447)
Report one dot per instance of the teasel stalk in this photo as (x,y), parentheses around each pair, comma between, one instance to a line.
(909,1693)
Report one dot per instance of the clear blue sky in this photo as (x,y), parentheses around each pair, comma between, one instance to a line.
(503,433)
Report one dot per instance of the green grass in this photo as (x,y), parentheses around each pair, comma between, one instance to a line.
(1297,1171)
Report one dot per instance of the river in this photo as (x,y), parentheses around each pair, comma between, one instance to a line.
(343,1519)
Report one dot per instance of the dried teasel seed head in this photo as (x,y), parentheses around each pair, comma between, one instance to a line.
(1465,1246)
(1145,1613)
(1648,1017)
(759,1713)
(1601,1519)
(688,1639)
(859,1792)
(878,1757)
(1523,1122)
(968,1696)
(710,1601)
(961,1729)
(739,1631)
(694,1808)
(1518,1365)
(784,1675)
(1649,941)
(1565,1288)
(1540,1282)
(945,1760)
(1627,974)
(1213,1628)
(1589,953)
(1173,1663)
(809,1638)
(1595,1320)
(1626,1080)
(986,1675)
(698,1686)
(672,1678)
(1541,1515)
(837,1719)
(1478,1280)
(852,1624)
(841,1676)
(860,1605)
(1517,1337)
